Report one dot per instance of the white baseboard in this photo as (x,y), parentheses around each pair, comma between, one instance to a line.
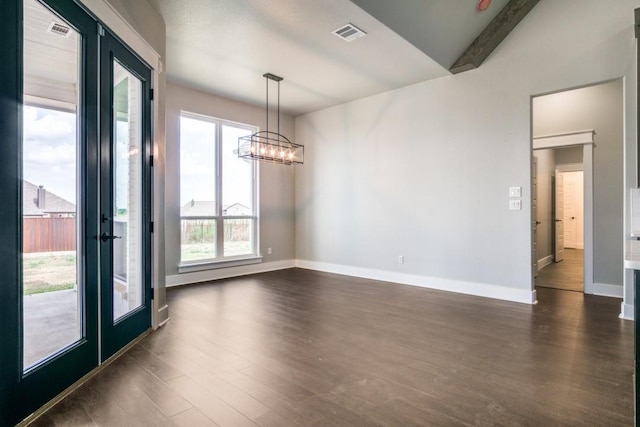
(626,311)
(161,317)
(224,273)
(542,263)
(526,296)
(607,290)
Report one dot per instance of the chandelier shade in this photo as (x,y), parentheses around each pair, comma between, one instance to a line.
(271,146)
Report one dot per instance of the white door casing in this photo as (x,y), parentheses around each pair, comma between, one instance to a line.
(558,214)
(534,214)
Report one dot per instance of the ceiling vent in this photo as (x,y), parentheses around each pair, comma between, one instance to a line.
(349,32)
(59,29)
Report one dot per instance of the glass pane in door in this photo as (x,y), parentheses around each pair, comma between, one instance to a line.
(127,192)
(51,220)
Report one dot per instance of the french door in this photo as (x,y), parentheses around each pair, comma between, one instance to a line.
(125,196)
(75,186)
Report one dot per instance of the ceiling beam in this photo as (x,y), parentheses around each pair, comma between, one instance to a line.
(492,35)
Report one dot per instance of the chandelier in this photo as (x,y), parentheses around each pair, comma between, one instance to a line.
(271,146)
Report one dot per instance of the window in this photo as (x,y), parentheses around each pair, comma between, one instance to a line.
(217,191)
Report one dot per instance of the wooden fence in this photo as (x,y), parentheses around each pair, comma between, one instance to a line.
(48,234)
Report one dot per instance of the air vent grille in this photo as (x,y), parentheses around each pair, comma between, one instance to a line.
(349,32)
(59,29)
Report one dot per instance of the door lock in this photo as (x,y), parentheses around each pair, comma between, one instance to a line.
(106,237)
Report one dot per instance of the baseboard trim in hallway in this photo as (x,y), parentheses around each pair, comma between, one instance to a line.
(607,290)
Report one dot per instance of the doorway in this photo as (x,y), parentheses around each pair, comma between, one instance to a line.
(563,268)
(564,211)
(589,121)
(76,223)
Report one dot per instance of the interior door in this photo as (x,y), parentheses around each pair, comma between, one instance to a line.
(125,195)
(558,203)
(569,211)
(573,209)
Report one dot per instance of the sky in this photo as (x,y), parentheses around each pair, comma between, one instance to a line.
(49,150)
(197,164)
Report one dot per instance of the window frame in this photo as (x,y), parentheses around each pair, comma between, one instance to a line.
(221,260)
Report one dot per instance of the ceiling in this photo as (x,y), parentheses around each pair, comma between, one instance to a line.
(225,46)
(50,60)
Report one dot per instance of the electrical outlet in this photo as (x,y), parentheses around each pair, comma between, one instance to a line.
(269,251)
(401,259)
(515,205)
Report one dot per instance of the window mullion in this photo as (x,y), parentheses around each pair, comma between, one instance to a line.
(220,220)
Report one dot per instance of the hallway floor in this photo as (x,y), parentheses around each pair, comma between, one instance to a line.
(567,274)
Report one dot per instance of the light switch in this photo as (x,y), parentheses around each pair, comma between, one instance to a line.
(515,205)
(515,191)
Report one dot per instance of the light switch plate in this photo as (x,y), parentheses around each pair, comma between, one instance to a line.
(515,191)
(515,205)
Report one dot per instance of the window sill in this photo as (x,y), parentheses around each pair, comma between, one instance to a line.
(212,265)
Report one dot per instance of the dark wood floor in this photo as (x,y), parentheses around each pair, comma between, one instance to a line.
(567,274)
(303,348)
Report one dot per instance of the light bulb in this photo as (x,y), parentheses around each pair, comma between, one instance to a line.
(273,152)
(290,155)
(282,154)
(262,150)
(253,149)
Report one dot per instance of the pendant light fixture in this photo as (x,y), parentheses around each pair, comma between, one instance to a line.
(271,146)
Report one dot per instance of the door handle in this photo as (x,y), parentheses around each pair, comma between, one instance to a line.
(573,217)
(558,220)
(106,237)
(538,222)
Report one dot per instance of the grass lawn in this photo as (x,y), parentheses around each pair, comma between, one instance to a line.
(49,271)
(197,251)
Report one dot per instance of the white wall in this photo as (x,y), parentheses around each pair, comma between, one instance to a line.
(424,171)
(276,193)
(599,108)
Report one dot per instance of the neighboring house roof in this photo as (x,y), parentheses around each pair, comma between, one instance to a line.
(198,208)
(204,208)
(53,204)
(238,208)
